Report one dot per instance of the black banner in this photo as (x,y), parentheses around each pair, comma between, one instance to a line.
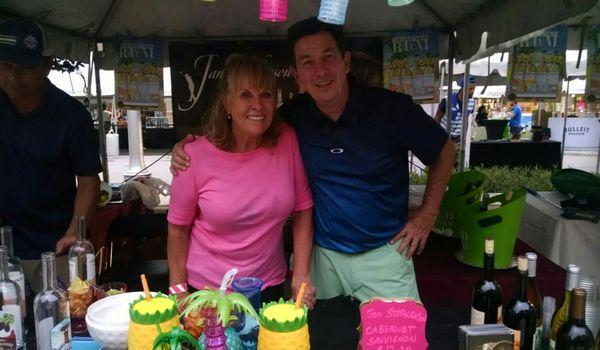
(197,68)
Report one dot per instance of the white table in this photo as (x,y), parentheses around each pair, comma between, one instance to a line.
(559,239)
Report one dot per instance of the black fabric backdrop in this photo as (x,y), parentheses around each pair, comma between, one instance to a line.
(196,69)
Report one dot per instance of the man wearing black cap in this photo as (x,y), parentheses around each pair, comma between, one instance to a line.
(47,142)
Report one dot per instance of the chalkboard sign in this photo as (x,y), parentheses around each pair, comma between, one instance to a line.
(392,324)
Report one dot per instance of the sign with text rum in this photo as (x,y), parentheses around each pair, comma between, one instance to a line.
(410,64)
(536,66)
(139,74)
(592,74)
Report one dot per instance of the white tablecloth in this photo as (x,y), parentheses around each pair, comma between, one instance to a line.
(561,240)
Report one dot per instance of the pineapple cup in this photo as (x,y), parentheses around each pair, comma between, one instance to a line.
(283,327)
(147,316)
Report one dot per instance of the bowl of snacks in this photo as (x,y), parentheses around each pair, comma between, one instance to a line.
(104,195)
(108,320)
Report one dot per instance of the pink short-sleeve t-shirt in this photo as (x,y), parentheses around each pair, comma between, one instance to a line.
(237,204)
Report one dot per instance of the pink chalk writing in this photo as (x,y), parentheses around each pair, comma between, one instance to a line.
(393,325)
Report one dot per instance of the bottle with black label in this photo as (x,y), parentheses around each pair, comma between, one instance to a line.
(574,334)
(518,314)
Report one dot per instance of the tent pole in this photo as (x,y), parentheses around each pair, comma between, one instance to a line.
(450,70)
(539,116)
(101,132)
(564,135)
(88,88)
(598,160)
(465,118)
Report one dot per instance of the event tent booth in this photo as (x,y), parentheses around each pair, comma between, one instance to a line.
(478,28)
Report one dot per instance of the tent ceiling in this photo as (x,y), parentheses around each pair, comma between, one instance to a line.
(72,25)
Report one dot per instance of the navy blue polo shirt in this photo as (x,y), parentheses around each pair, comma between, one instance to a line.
(40,155)
(358,165)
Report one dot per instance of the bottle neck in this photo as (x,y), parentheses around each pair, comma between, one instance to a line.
(4,266)
(6,240)
(577,310)
(49,273)
(521,291)
(488,267)
(81,228)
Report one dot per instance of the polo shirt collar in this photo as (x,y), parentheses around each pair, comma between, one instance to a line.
(351,110)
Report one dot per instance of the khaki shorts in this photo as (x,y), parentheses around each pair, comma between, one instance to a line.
(380,272)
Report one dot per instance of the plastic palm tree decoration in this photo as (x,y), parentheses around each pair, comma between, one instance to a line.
(174,340)
(216,307)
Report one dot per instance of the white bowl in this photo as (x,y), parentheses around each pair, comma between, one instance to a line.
(108,320)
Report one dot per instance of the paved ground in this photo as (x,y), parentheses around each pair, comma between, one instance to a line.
(118,165)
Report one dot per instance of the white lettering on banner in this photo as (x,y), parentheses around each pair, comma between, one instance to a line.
(130,50)
(195,96)
(549,38)
(203,63)
(410,43)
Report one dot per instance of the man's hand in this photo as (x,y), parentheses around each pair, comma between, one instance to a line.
(415,232)
(309,293)
(180,161)
(63,244)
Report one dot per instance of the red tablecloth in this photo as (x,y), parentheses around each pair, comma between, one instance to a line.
(443,280)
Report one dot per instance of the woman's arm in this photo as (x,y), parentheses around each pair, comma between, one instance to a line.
(177,252)
(303,240)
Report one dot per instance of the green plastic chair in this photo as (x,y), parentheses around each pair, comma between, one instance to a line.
(463,194)
(501,224)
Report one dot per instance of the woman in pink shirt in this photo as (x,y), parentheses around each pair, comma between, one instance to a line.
(228,210)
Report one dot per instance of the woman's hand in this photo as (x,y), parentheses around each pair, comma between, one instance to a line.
(310,293)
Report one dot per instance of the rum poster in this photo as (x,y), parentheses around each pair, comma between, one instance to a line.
(592,74)
(536,66)
(139,74)
(410,64)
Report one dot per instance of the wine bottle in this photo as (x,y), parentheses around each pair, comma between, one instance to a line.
(548,309)
(15,269)
(486,306)
(82,259)
(518,314)
(574,334)
(561,315)
(11,319)
(533,293)
(51,310)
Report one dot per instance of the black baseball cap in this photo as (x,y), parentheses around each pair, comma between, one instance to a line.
(23,42)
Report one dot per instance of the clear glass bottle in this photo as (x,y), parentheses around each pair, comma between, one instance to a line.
(51,310)
(11,319)
(82,259)
(561,315)
(548,309)
(15,269)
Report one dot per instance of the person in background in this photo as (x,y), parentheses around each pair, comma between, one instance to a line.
(355,141)
(457,97)
(48,151)
(482,115)
(228,210)
(515,121)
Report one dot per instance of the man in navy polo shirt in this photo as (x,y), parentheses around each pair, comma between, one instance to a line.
(47,141)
